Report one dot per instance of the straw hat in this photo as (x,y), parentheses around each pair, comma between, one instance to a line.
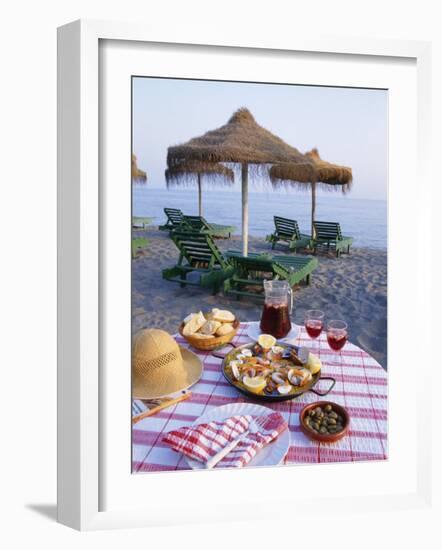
(161,367)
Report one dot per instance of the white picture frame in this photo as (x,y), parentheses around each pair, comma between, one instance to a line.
(83,299)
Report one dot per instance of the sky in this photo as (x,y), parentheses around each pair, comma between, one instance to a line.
(348,126)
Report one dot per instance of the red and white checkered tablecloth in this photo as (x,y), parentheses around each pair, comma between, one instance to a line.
(361,386)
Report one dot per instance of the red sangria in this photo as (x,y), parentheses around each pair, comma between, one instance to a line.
(275,320)
(313,328)
(313,322)
(278,305)
(336,334)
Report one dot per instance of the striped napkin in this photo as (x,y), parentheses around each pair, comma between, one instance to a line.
(203,441)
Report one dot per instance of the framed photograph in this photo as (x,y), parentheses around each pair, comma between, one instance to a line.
(236,222)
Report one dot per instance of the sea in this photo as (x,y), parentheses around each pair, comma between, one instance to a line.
(363,219)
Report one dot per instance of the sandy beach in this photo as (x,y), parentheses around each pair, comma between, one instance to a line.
(353,288)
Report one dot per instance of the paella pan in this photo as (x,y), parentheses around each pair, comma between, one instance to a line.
(277,373)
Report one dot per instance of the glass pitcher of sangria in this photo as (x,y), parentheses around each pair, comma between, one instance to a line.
(278,305)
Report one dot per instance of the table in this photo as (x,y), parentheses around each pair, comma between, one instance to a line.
(361,387)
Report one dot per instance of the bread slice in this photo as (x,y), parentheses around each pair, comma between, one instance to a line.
(224,329)
(194,324)
(189,318)
(210,327)
(223,315)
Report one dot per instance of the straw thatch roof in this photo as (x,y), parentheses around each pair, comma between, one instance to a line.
(185,172)
(241,140)
(296,175)
(331,176)
(137,174)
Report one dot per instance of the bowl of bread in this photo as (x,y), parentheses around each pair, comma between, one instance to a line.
(208,331)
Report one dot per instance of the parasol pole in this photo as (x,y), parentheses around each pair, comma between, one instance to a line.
(313,206)
(245,206)
(200,201)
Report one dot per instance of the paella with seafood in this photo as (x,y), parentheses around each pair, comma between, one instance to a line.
(272,370)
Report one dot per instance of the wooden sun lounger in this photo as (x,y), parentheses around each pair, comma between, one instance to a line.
(287,230)
(329,234)
(198,255)
(251,271)
(198,223)
(138,244)
(174,219)
(140,222)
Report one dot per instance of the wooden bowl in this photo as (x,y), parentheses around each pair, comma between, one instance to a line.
(324,438)
(210,344)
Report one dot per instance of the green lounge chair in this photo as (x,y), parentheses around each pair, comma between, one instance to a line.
(251,271)
(140,222)
(174,219)
(177,220)
(288,231)
(198,255)
(138,244)
(329,234)
(198,223)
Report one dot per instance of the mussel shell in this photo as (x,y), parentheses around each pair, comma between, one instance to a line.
(295,359)
(235,372)
(277,378)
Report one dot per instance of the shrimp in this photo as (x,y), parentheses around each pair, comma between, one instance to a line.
(299,376)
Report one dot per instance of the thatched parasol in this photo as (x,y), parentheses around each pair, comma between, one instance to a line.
(331,174)
(137,174)
(240,141)
(185,172)
(327,175)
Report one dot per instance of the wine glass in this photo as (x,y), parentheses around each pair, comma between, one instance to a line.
(314,322)
(337,335)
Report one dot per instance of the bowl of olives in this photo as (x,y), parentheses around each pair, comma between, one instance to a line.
(324,421)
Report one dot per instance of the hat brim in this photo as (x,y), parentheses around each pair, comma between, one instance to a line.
(191,363)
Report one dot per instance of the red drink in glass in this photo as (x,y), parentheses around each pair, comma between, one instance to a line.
(336,334)
(336,340)
(313,322)
(313,327)
(275,320)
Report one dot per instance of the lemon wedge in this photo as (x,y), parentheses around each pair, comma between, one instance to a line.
(255,384)
(313,363)
(266,341)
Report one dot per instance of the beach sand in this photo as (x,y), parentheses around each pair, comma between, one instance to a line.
(353,288)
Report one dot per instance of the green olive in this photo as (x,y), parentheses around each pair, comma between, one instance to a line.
(328,408)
